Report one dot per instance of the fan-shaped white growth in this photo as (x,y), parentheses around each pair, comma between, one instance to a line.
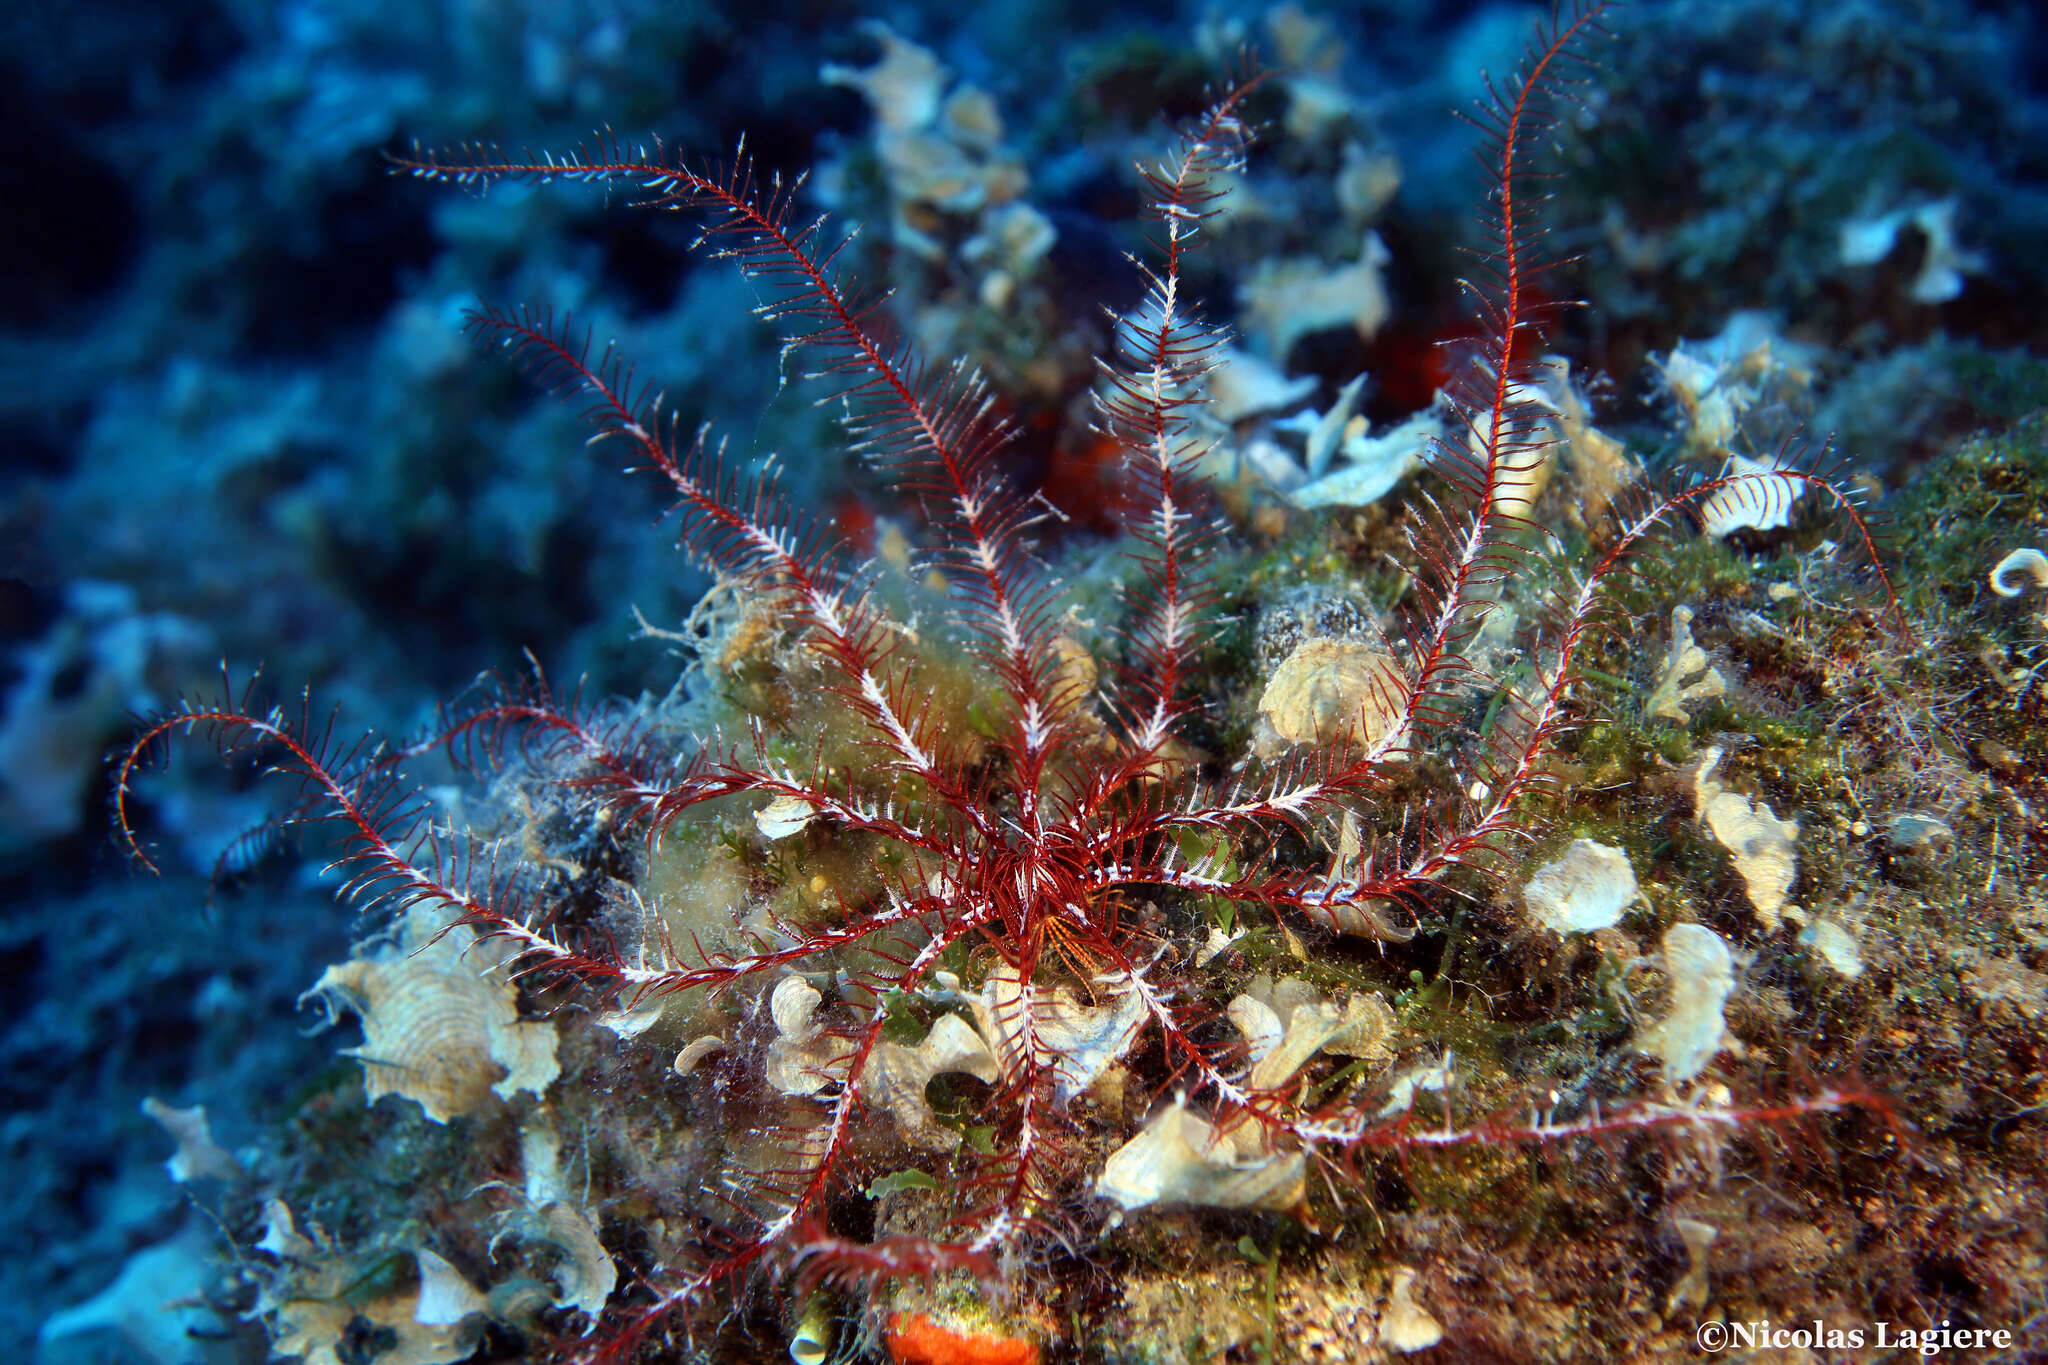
(802,1059)
(1833,944)
(784,816)
(1286,1023)
(1405,1325)
(898,1073)
(1701,974)
(1330,691)
(1762,846)
(440,1021)
(1182,1158)
(1590,886)
(1077,1041)
(1685,676)
(2028,561)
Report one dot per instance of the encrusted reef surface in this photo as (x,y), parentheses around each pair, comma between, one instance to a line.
(1741,1018)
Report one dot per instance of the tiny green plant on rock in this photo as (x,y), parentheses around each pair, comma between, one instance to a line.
(963,1009)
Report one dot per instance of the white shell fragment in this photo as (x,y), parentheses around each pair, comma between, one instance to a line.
(1912,830)
(1328,432)
(1373,464)
(153,1313)
(1691,1288)
(1590,887)
(1182,1158)
(1866,241)
(631,1021)
(697,1050)
(1601,466)
(323,1314)
(903,86)
(1702,977)
(784,816)
(1216,944)
(1761,845)
(281,1235)
(2030,562)
(446,1295)
(811,1342)
(1243,385)
(1716,381)
(1286,299)
(791,1005)
(1429,1077)
(441,1026)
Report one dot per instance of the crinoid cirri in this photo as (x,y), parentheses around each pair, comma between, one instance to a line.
(972,956)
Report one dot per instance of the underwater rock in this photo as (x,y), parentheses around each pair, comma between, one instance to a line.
(1910,831)
(918,1339)
(1589,887)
